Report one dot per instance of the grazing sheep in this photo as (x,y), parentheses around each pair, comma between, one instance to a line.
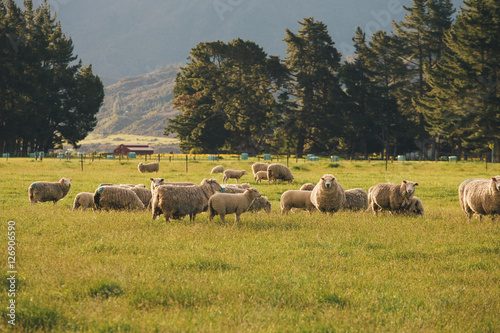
(279,171)
(416,207)
(179,201)
(356,199)
(84,200)
(236,174)
(391,197)
(148,167)
(328,195)
(119,198)
(217,169)
(226,203)
(49,191)
(260,203)
(144,195)
(307,187)
(296,199)
(258,166)
(260,175)
(480,197)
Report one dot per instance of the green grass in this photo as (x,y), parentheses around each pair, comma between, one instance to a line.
(350,271)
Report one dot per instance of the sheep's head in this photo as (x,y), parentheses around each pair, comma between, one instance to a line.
(244,172)
(213,183)
(496,182)
(155,182)
(409,187)
(254,193)
(328,181)
(65,181)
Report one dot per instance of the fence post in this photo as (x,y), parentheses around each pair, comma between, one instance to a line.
(186,164)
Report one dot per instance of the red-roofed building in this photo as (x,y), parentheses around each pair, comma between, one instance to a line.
(139,149)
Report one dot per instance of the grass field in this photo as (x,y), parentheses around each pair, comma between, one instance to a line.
(350,271)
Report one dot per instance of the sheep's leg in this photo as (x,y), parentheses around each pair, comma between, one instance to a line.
(237,219)
(191,218)
(223,218)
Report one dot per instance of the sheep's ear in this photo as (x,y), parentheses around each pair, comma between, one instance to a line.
(404,181)
(151,179)
(493,179)
(416,184)
(247,189)
(322,178)
(162,179)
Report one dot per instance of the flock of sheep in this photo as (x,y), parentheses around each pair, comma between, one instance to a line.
(179,199)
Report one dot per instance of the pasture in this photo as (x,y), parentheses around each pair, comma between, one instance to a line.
(350,271)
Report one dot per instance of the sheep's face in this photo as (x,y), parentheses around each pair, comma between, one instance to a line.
(267,207)
(328,181)
(409,187)
(245,172)
(254,193)
(213,184)
(66,181)
(155,182)
(496,181)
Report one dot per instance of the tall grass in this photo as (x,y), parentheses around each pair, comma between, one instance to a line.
(350,271)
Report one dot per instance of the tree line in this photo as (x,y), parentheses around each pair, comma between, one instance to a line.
(429,86)
(47,97)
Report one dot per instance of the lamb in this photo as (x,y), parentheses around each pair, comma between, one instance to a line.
(225,203)
(148,167)
(328,195)
(260,175)
(217,169)
(179,201)
(260,203)
(356,199)
(279,171)
(49,191)
(416,207)
(236,174)
(481,197)
(84,200)
(391,197)
(307,187)
(296,199)
(258,166)
(113,197)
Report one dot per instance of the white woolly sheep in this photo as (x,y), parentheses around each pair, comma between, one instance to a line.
(356,199)
(296,199)
(328,195)
(260,203)
(277,171)
(236,174)
(179,201)
(148,167)
(307,187)
(84,200)
(480,197)
(416,207)
(114,197)
(49,191)
(226,203)
(258,166)
(260,175)
(217,169)
(391,197)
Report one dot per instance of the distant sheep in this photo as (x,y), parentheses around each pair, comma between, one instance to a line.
(226,203)
(260,203)
(356,199)
(84,200)
(480,197)
(217,169)
(258,166)
(178,201)
(296,199)
(49,191)
(328,195)
(307,187)
(118,198)
(148,167)
(260,175)
(277,171)
(236,174)
(391,197)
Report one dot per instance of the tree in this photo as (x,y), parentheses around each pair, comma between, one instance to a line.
(226,97)
(464,102)
(314,62)
(48,98)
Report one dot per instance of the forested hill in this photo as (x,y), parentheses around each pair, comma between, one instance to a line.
(138,105)
(127,37)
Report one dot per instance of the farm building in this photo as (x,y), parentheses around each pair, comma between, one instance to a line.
(125,149)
